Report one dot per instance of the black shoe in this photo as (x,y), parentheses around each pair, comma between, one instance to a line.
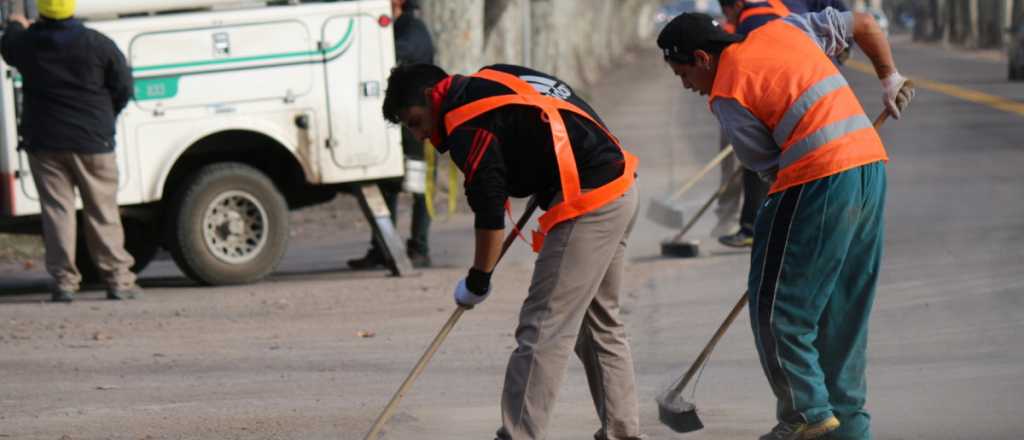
(117,294)
(418,260)
(743,238)
(372,259)
(60,295)
(417,256)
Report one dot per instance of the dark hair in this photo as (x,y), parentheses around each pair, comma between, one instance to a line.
(406,85)
(726,3)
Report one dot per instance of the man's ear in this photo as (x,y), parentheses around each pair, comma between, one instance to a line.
(703,59)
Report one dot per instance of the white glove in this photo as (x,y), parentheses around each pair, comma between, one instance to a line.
(896,97)
(466,298)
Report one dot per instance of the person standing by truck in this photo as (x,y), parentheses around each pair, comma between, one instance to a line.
(413,45)
(76,82)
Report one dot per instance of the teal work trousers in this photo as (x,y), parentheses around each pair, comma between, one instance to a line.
(814,267)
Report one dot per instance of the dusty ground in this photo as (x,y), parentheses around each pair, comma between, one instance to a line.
(315,351)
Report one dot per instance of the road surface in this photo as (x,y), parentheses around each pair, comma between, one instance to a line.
(289,358)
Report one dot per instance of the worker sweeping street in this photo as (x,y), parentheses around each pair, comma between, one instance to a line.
(793,118)
(743,16)
(516,132)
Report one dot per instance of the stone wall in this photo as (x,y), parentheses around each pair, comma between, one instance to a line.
(572,39)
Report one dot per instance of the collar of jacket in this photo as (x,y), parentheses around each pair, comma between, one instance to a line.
(437,95)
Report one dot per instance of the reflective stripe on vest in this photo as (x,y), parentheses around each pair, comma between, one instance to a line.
(802,99)
(575,203)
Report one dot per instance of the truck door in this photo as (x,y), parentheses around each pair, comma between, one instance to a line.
(358,51)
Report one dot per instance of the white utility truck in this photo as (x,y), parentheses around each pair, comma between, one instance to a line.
(242,111)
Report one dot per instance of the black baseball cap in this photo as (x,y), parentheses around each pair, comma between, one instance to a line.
(689,32)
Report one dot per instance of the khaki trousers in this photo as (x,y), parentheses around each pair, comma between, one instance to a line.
(574,302)
(56,175)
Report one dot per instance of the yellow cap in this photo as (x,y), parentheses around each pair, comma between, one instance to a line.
(56,9)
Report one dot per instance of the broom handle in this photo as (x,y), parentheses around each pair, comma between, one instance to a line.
(707,205)
(700,174)
(441,335)
(704,354)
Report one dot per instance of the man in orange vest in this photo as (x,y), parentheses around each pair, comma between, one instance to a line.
(742,17)
(792,117)
(516,132)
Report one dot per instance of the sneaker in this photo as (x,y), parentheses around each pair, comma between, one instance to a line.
(743,238)
(802,431)
(122,293)
(372,259)
(61,295)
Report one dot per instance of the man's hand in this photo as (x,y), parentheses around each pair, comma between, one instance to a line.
(473,289)
(898,93)
(20,19)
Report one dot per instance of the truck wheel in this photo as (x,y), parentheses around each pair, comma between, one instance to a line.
(139,241)
(228,225)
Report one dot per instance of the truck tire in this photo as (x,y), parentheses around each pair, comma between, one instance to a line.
(139,241)
(227,225)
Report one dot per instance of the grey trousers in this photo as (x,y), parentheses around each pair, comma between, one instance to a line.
(573,303)
(56,175)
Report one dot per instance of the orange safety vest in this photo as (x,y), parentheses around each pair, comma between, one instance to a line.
(763,7)
(784,78)
(574,202)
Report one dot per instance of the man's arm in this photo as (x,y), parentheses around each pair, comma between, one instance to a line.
(478,154)
(11,44)
(869,36)
(833,30)
(754,145)
(488,249)
(118,77)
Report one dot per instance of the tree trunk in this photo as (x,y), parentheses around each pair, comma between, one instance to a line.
(456,26)
(971,34)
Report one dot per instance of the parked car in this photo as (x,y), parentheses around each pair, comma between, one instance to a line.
(1016,53)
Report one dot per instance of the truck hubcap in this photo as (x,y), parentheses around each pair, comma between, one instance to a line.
(235,227)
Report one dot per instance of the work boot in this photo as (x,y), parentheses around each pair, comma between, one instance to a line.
(373,258)
(802,431)
(419,259)
(62,295)
(743,238)
(123,293)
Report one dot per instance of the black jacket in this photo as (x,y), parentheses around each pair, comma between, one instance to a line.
(509,151)
(413,45)
(75,83)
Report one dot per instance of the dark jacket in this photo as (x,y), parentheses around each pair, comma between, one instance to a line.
(75,83)
(509,151)
(413,45)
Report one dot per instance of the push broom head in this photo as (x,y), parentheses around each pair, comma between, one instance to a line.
(678,414)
